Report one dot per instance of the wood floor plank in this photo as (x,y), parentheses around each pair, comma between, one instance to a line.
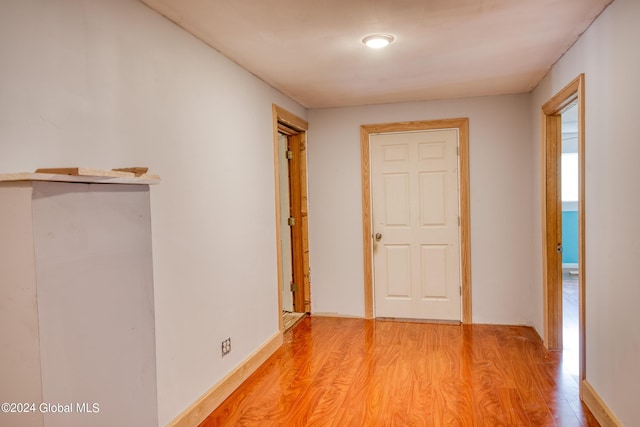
(343,367)
(356,372)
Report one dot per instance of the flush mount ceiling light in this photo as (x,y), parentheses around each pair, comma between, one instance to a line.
(376,41)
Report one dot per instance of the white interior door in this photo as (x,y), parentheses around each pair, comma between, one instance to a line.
(416,249)
(285,230)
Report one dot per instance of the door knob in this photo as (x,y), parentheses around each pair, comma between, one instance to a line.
(378,237)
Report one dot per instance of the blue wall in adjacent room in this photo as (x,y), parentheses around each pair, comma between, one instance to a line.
(569,237)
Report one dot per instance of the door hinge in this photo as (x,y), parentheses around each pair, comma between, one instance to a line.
(292,221)
(289,154)
(294,287)
(458,221)
(460,287)
(458,150)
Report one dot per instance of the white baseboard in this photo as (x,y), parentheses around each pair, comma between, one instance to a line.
(598,408)
(329,314)
(205,405)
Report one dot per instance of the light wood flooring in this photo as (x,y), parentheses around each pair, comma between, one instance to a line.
(355,372)
(570,331)
(291,319)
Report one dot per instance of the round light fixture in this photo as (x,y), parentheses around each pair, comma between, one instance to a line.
(376,41)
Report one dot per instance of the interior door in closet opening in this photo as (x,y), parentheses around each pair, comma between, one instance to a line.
(415,198)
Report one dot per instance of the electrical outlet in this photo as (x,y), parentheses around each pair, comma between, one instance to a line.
(226,347)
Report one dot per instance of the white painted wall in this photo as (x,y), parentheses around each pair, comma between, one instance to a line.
(20,362)
(501,202)
(111,83)
(608,54)
(93,263)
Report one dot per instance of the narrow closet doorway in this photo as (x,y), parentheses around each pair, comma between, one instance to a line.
(285,230)
(294,278)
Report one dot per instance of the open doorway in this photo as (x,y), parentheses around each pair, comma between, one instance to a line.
(285,229)
(569,178)
(290,167)
(564,112)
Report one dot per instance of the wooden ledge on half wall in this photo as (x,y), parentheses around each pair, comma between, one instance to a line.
(130,175)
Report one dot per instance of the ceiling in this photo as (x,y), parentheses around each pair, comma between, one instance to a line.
(311,50)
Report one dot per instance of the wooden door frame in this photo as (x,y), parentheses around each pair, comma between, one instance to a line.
(574,92)
(296,130)
(462,125)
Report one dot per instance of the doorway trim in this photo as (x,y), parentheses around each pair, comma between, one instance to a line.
(574,92)
(292,125)
(462,125)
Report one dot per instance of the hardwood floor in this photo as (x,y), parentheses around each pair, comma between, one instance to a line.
(570,328)
(355,372)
